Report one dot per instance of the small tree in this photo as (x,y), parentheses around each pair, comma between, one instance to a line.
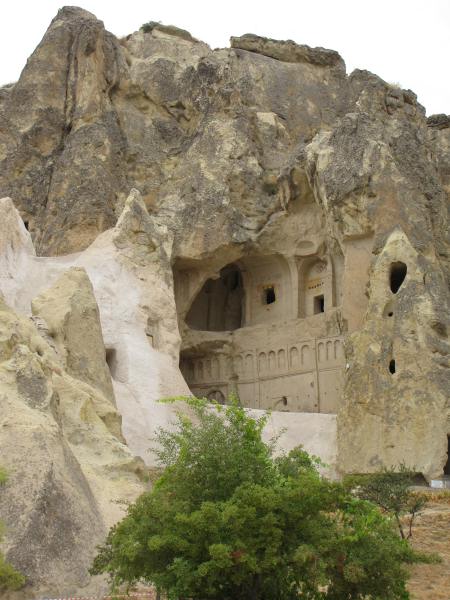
(228,521)
(10,579)
(390,489)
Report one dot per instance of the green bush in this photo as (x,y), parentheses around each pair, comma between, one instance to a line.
(228,521)
(390,490)
(149,27)
(10,579)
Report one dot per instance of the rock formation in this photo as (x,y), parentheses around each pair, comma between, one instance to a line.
(70,311)
(285,238)
(60,439)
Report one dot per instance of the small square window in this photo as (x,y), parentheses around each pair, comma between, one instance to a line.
(269,295)
(319,304)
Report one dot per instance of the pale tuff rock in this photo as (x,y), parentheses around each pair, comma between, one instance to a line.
(127,270)
(159,113)
(439,136)
(16,248)
(136,235)
(71,313)
(395,400)
(67,469)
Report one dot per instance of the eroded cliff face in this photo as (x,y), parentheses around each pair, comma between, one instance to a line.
(218,138)
(287,231)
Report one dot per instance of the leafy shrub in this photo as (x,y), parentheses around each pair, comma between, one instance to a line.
(149,27)
(228,521)
(390,489)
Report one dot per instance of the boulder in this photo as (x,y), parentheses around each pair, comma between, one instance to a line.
(59,442)
(70,310)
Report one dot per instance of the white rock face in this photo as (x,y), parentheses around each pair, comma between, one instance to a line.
(316,432)
(131,295)
(139,324)
(16,252)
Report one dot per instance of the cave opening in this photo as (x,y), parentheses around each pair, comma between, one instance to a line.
(219,304)
(319,304)
(269,295)
(392,367)
(397,275)
(447,464)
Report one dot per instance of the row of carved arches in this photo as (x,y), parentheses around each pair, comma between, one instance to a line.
(296,358)
(271,361)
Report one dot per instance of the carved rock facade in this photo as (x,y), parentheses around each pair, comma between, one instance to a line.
(274,182)
(286,238)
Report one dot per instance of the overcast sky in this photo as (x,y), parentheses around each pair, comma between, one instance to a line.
(403,41)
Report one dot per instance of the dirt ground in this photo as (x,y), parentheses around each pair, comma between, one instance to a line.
(432,534)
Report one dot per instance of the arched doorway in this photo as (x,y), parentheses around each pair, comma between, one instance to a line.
(315,288)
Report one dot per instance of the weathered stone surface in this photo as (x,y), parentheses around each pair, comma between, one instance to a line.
(439,140)
(288,51)
(398,377)
(67,467)
(71,313)
(16,248)
(262,149)
(160,113)
(131,278)
(59,107)
(440,121)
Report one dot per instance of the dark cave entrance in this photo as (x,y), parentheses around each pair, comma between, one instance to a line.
(269,295)
(397,275)
(319,304)
(219,304)
(447,464)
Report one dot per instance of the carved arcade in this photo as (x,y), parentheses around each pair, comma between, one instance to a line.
(259,307)
(302,377)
